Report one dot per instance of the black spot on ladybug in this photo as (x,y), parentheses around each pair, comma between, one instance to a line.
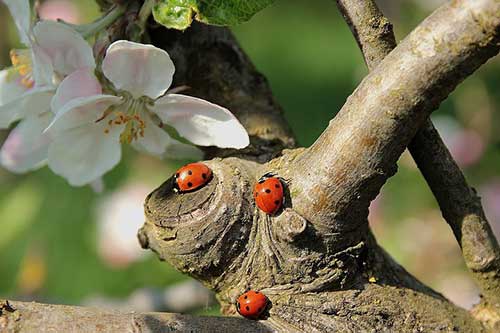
(204,175)
(247,307)
(277,202)
(245,297)
(268,190)
(277,185)
(190,172)
(190,184)
(256,292)
(177,175)
(256,194)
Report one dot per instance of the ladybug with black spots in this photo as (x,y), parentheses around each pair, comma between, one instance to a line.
(252,304)
(268,193)
(191,177)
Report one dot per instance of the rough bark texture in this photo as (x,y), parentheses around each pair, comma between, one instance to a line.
(316,259)
(36,318)
(460,205)
(210,62)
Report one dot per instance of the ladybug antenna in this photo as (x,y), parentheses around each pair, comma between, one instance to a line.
(265,176)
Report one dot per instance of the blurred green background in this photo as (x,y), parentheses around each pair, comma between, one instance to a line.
(51,234)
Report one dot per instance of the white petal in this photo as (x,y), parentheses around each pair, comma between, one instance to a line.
(10,87)
(66,48)
(80,83)
(178,150)
(26,146)
(33,102)
(155,139)
(81,111)
(201,122)
(21,13)
(43,71)
(157,142)
(83,154)
(142,70)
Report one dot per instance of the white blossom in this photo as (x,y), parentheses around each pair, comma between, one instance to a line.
(90,125)
(53,51)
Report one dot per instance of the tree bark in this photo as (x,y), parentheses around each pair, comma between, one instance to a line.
(37,317)
(316,259)
(460,205)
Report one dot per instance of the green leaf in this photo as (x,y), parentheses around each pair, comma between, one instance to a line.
(178,14)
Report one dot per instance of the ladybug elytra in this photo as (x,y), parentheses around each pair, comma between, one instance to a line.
(268,194)
(251,304)
(192,176)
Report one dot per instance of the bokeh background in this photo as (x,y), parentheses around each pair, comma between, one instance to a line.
(74,246)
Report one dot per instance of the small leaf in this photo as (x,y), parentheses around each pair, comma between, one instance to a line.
(178,14)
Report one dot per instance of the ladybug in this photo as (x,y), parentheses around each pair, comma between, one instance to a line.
(251,304)
(192,176)
(268,193)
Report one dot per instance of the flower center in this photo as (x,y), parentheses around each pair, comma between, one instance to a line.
(130,113)
(22,67)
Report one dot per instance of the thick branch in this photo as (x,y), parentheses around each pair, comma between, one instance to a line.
(21,317)
(210,61)
(338,176)
(459,203)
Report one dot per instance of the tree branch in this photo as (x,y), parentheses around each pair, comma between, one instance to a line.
(209,60)
(459,204)
(21,317)
(338,176)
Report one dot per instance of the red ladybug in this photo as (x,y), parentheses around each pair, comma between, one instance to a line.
(192,176)
(268,194)
(251,304)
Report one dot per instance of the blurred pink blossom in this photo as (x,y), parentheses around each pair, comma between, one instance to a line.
(376,211)
(490,195)
(119,217)
(60,9)
(465,145)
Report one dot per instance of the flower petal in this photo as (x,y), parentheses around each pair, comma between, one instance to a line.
(83,154)
(179,151)
(10,87)
(26,146)
(66,48)
(21,13)
(155,139)
(80,83)
(157,142)
(43,71)
(201,122)
(34,101)
(142,70)
(81,111)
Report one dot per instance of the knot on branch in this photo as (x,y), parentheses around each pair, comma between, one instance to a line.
(218,235)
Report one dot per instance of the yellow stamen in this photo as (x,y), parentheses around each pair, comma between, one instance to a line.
(22,67)
(128,114)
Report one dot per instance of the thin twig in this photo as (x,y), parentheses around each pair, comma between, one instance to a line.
(459,204)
